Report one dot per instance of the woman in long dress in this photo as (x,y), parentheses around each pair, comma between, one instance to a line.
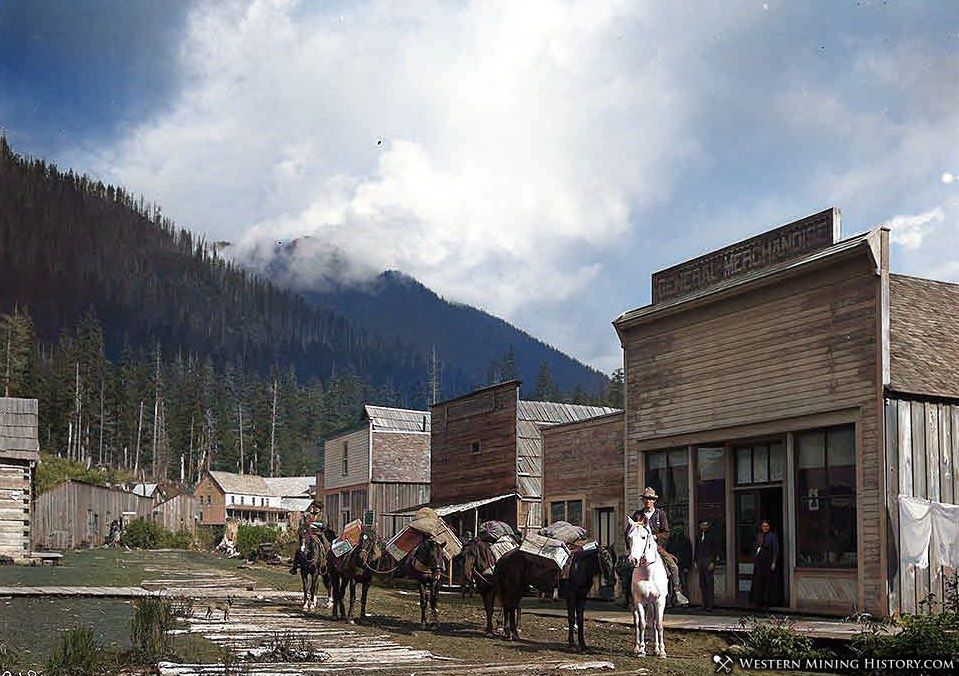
(763,591)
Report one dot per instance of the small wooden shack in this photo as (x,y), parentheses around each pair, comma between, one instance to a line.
(19,453)
(78,514)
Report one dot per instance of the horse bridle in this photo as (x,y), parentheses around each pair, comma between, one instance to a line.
(642,559)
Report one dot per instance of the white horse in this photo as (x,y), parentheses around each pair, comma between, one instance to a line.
(649,586)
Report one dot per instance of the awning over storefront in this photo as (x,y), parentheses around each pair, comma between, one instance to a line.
(446,510)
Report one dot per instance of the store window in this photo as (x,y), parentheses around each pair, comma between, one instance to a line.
(760,463)
(566,510)
(826,498)
(667,472)
(711,494)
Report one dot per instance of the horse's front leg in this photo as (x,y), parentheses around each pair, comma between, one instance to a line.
(570,618)
(328,583)
(580,621)
(639,620)
(349,615)
(422,588)
(365,588)
(660,628)
(303,580)
(489,599)
(314,583)
(434,599)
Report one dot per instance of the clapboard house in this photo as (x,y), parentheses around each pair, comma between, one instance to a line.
(253,499)
(583,476)
(19,453)
(376,468)
(487,460)
(791,377)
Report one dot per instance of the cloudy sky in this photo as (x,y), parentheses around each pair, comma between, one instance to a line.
(536,159)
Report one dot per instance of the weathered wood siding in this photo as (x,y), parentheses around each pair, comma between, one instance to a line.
(487,417)
(805,345)
(584,461)
(357,443)
(76,514)
(922,453)
(391,497)
(401,456)
(178,513)
(15,508)
(212,502)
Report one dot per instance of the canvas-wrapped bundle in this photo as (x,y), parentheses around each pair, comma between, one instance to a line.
(565,532)
(546,548)
(429,524)
(494,531)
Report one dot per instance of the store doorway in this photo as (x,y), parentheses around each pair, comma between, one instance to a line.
(753,505)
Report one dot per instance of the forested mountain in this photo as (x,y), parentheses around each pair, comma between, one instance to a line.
(472,345)
(147,349)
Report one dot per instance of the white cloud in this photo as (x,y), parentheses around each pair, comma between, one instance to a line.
(539,159)
(908,231)
(518,139)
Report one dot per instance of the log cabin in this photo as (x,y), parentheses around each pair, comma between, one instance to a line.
(791,377)
(19,454)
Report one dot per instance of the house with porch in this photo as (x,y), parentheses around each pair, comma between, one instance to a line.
(248,498)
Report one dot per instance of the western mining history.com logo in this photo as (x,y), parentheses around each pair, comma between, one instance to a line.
(725,663)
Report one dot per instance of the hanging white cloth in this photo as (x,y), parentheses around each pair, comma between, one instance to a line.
(945,527)
(915,530)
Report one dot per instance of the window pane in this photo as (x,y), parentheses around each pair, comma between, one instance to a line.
(711,495)
(744,474)
(557,511)
(760,464)
(574,512)
(655,461)
(777,462)
(842,447)
(826,499)
(811,450)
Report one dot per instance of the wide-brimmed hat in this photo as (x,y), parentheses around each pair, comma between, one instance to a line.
(650,493)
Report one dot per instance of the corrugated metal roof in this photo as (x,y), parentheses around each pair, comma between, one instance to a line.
(835,250)
(552,413)
(398,419)
(446,510)
(18,425)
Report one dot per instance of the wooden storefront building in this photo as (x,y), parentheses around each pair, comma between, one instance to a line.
(487,460)
(253,499)
(583,476)
(790,377)
(19,453)
(377,468)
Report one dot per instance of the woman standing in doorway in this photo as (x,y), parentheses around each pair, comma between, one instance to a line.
(763,589)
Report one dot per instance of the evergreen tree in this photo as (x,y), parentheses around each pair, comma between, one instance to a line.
(615,394)
(545,387)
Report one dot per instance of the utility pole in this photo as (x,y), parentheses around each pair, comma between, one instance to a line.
(156,412)
(273,463)
(136,461)
(239,408)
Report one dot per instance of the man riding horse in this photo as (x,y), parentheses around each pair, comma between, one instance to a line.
(655,518)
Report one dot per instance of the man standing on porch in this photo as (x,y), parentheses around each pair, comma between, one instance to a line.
(706,554)
(659,525)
